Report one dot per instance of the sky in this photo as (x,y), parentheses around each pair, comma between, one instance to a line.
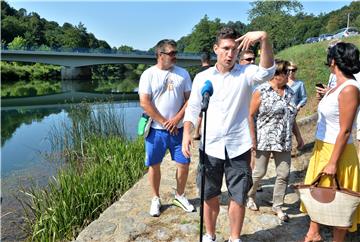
(141,24)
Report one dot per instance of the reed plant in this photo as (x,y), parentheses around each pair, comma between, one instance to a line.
(87,119)
(110,165)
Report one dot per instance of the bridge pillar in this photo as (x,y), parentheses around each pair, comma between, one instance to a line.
(76,73)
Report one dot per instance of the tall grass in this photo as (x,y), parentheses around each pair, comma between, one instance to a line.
(109,165)
(87,120)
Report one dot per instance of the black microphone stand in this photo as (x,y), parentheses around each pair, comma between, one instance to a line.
(202,171)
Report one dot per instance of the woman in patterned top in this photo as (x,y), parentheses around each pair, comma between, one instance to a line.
(272,122)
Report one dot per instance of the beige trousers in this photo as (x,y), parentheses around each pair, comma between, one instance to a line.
(282,162)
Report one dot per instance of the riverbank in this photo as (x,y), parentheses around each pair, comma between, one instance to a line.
(128,219)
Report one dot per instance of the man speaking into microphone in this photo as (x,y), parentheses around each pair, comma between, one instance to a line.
(228,141)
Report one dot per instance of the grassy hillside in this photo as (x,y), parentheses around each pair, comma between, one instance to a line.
(310,59)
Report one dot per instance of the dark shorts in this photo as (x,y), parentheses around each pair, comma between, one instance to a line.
(237,175)
(158,141)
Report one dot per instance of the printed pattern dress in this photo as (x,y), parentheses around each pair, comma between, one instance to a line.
(275,119)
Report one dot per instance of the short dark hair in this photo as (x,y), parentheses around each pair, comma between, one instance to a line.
(346,57)
(281,67)
(226,33)
(245,52)
(160,46)
(205,57)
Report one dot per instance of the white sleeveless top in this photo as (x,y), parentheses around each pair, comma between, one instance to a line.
(328,124)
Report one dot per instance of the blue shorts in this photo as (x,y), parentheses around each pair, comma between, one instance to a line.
(158,141)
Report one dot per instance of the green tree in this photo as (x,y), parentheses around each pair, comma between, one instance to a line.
(34,33)
(181,43)
(203,35)
(125,48)
(93,42)
(337,19)
(333,23)
(83,36)
(44,47)
(306,26)
(276,18)
(354,10)
(71,37)
(11,27)
(270,8)
(239,26)
(52,33)
(18,43)
(22,13)
(356,22)
(103,44)
(6,10)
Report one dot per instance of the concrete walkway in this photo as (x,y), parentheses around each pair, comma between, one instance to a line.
(128,218)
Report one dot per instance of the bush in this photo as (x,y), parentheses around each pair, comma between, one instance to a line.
(12,72)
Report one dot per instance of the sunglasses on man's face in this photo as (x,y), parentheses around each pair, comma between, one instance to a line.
(292,70)
(249,59)
(171,53)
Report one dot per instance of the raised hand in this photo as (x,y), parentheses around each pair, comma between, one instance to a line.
(250,38)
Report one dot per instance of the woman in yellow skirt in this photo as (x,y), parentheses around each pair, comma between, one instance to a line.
(334,151)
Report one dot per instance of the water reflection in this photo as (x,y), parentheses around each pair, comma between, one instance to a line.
(35,88)
(13,119)
(25,131)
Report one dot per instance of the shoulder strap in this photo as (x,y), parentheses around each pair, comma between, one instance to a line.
(348,83)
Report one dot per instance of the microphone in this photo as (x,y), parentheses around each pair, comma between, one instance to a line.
(206,93)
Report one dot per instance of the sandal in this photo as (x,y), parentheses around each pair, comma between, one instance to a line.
(313,239)
(251,204)
(280,214)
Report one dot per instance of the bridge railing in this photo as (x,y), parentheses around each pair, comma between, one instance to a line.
(97,50)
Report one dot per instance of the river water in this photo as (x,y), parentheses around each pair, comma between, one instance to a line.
(25,142)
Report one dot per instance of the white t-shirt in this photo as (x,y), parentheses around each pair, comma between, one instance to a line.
(167,89)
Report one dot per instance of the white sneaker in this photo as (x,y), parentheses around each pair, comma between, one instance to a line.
(237,240)
(251,204)
(208,238)
(182,202)
(155,207)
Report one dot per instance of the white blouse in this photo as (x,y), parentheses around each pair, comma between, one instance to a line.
(328,124)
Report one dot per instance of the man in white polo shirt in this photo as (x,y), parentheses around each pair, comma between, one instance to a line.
(164,89)
(228,141)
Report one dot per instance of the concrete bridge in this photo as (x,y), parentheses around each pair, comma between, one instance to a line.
(73,59)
